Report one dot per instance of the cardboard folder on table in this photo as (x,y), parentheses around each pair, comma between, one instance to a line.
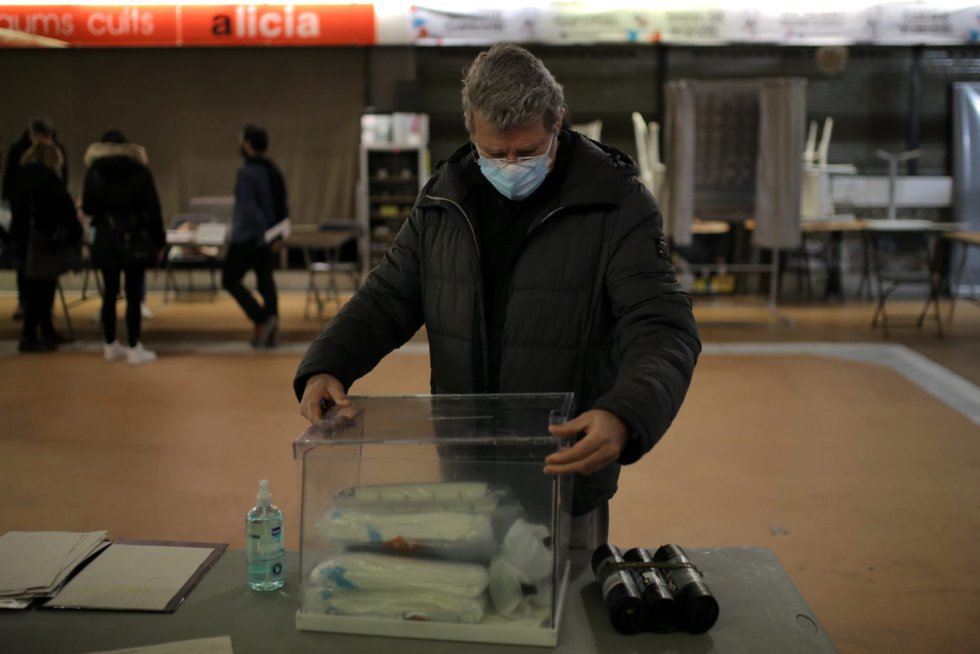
(139,576)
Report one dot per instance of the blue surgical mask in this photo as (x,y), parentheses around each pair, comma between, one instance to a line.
(519,178)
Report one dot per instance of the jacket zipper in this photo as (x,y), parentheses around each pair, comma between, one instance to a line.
(469,223)
(544,220)
(479,284)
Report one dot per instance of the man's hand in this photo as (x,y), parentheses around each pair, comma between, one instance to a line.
(605,437)
(322,391)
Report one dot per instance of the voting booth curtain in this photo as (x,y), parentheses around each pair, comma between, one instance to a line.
(966,159)
(733,151)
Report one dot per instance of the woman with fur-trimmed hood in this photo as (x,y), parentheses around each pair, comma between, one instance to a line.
(121,197)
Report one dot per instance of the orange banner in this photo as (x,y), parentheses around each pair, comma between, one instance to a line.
(195,25)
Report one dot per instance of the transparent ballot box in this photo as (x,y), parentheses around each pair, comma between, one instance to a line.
(431,517)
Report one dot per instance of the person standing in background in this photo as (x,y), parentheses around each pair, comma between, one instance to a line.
(40,203)
(260,204)
(121,197)
(4,218)
(39,129)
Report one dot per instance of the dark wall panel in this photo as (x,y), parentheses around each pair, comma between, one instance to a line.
(187,108)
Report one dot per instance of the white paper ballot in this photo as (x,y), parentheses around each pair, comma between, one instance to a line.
(219,645)
(283,229)
(133,577)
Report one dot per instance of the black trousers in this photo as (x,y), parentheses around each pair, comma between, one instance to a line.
(20,284)
(135,277)
(37,298)
(259,257)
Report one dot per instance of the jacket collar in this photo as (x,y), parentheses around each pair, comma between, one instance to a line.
(593,176)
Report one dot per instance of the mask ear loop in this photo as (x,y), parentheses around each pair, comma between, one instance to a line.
(553,156)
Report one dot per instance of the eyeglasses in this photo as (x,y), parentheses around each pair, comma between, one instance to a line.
(503,162)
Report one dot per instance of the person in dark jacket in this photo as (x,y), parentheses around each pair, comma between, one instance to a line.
(38,195)
(260,204)
(121,197)
(536,260)
(39,129)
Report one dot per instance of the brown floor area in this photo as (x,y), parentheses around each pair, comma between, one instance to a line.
(866,488)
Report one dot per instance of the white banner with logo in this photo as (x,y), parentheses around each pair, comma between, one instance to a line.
(816,23)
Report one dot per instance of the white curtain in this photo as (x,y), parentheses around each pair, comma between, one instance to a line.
(677,203)
(779,169)
(966,161)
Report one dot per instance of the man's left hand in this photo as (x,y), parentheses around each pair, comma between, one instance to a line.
(605,437)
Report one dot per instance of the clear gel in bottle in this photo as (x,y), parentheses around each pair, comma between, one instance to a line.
(263,543)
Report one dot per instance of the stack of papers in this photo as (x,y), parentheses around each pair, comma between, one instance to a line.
(35,564)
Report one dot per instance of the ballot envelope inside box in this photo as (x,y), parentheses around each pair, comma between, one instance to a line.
(431,517)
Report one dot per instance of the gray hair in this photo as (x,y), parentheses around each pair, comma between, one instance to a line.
(510,87)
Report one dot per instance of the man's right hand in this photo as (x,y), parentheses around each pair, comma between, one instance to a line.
(322,391)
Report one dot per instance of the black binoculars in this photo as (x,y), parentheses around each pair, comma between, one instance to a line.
(662,592)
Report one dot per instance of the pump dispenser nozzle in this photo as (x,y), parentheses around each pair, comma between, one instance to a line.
(264,497)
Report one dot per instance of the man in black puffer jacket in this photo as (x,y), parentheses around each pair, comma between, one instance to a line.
(536,260)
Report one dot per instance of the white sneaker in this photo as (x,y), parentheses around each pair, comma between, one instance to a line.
(138,355)
(145,311)
(113,351)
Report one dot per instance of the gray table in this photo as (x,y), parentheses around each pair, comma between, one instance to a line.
(761,611)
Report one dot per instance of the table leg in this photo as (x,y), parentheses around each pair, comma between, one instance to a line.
(834,274)
(957,280)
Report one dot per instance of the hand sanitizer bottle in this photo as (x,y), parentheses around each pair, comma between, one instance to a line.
(263,543)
